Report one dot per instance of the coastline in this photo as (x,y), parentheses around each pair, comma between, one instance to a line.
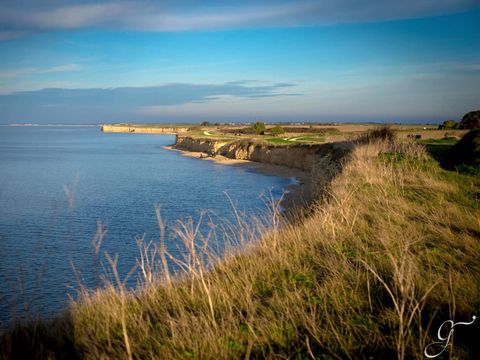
(297,194)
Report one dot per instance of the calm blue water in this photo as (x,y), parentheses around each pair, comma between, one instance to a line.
(116,179)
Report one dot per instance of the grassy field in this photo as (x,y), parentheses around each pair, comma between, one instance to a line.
(311,134)
(369,271)
(438,147)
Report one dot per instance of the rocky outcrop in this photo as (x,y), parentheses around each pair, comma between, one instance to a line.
(142,129)
(198,145)
(300,156)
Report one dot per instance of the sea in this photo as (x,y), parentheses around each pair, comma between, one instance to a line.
(60,187)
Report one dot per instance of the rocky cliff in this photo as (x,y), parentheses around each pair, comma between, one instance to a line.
(143,129)
(300,156)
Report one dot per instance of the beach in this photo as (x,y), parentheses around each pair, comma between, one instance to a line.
(297,194)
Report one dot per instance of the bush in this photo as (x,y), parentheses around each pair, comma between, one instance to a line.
(206,123)
(470,120)
(259,128)
(277,130)
(466,151)
(380,133)
(448,124)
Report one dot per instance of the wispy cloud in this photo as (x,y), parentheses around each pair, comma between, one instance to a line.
(94,105)
(30,15)
(169,94)
(13,73)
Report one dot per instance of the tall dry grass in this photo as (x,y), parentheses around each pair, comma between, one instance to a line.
(388,255)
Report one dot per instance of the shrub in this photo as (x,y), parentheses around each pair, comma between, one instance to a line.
(259,128)
(380,133)
(277,130)
(470,120)
(448,124)
(466,151)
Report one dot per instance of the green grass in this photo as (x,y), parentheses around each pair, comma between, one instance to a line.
(278,140)
(437,148)
(310,139)
(445,141)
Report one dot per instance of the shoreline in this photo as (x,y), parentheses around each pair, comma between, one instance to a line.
(296,195)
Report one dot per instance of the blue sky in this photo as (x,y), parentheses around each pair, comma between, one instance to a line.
(179,61)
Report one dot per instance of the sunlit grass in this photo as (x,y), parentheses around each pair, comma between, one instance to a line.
(388,253)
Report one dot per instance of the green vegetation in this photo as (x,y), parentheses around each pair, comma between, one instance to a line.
(276,140)
(310,139)
(277,130)
(314,139)
(470,120)
(449,140)
(258,128)
(437,148)
(448,125)
(465,155)
(387,254)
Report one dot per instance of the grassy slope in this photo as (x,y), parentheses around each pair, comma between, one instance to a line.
(374,270)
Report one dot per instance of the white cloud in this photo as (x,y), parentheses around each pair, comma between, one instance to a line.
(60,68)
(78,16)
(13,73)
(166,16)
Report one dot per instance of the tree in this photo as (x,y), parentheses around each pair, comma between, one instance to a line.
(206,123)
(277,130)
(259,128)
(470,120)
(448,125)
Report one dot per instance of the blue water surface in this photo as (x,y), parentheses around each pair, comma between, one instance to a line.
(56,183)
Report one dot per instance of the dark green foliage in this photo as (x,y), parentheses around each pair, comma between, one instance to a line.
(259,128)
(438,148)
(466,151)
(206,123)
(448,125)
(277,130)
(470,120)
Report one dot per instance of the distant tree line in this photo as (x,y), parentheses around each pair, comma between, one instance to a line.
(470,120)
(208,123)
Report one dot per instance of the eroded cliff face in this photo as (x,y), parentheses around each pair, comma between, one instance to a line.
(143,130)
(199,145)
(299,156)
